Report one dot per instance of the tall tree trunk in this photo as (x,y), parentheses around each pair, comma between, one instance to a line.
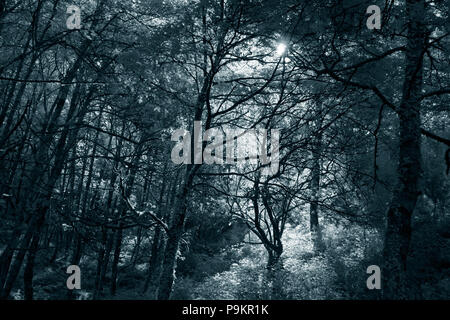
(29,266)
(104,268)
(136,249)
(316,234)
(398,233)
(169,262)
(100,262)
(174,235)
(116,258)
(154,265)
(106,246)
(176,228)
(78,251)
(123,209)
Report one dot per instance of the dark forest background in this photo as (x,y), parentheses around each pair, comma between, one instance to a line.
(87,179)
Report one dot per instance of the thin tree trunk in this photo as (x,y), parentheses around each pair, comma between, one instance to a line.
(116,258)
(29,266)
(135,254)
(154,262)
(154,266)
(123,209)
(316,234)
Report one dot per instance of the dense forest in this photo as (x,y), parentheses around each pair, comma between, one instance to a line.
(224,149)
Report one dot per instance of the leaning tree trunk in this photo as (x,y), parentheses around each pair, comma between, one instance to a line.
(155,261)
(170,254)
(176,229)
(175,233)
(154,267)
(398,233)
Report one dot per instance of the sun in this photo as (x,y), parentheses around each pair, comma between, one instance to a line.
(281,49)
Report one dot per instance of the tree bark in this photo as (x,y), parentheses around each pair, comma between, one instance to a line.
(398,232)
(274,267)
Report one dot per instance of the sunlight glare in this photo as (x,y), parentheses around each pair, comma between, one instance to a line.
(281,49)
